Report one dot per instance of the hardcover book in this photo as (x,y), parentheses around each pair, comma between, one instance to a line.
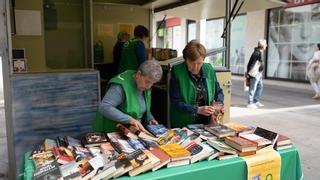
(49,171)
(220,130)
(71,141)
(272,136)
(157,130)
(260,141)
(241,144)
(283,140)
(204,134)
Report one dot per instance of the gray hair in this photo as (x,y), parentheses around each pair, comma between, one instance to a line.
(152,69)
(122,36)
(261,43)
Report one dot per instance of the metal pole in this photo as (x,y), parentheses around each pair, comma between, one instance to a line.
(228,32)
(5,53)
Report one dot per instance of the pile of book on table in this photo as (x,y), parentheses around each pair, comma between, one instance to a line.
(129,151)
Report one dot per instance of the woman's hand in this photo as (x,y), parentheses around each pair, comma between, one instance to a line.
(137,124)
(153,121)
(205,110)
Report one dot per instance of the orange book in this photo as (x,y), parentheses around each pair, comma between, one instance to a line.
(175,151)
(164,158)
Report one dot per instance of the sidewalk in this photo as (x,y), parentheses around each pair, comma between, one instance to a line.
(289,110)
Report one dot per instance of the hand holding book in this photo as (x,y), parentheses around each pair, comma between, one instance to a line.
(137,124)
(217,115)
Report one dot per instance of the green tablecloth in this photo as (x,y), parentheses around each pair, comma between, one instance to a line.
(234,168)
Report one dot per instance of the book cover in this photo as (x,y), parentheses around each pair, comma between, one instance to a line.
(195,126)
(221,146)
(241,144)
(146,165)
(136,144)
(193,136)
(148,143)
(108,149)
(165,138)
(198,151)
(162,156)
(85,169)
(119,142)
(49,171)
(125,131)
(61,142)
(38,149)
(71,141)
(49,144)
(94,139)
(70,171)
(204,134)
(63,155)
(43,158)
(260,141)
(157,130)
(283,140)
(240,128)
(220,130)
(106,172)
(175,151)
(272,136)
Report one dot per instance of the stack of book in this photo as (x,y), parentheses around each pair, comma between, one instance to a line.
(130,151)
(283,142)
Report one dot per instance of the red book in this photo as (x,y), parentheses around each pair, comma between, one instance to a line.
(164,158)
(63,154)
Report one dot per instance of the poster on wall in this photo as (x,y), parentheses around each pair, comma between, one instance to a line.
(293,35)
(105,30)
(126,27)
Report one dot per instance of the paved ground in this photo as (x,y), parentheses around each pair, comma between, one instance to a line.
(289,110)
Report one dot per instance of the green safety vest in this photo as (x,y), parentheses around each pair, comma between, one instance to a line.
(179,118)
(130,106)
(129,59)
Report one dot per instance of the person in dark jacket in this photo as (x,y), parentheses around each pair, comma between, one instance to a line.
(133,51)
(193,88)
(255,68)
(123,36)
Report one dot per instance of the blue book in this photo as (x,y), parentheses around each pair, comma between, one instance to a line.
(157,130)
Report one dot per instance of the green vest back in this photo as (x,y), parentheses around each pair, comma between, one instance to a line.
(128,59)
(187,92)
(131,105)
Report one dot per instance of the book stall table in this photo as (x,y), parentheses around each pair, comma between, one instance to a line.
(234,168)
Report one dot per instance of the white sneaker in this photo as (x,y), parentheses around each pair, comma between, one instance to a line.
(252,106)
(259,104)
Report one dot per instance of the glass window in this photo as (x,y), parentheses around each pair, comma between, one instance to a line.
(293,35)
(214,29)
(191,25)
(64,34)
(237,49)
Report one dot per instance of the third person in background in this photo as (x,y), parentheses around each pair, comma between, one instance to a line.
(255,68)
(133,51)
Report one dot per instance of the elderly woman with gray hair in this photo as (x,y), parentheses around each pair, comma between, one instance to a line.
(128,98)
